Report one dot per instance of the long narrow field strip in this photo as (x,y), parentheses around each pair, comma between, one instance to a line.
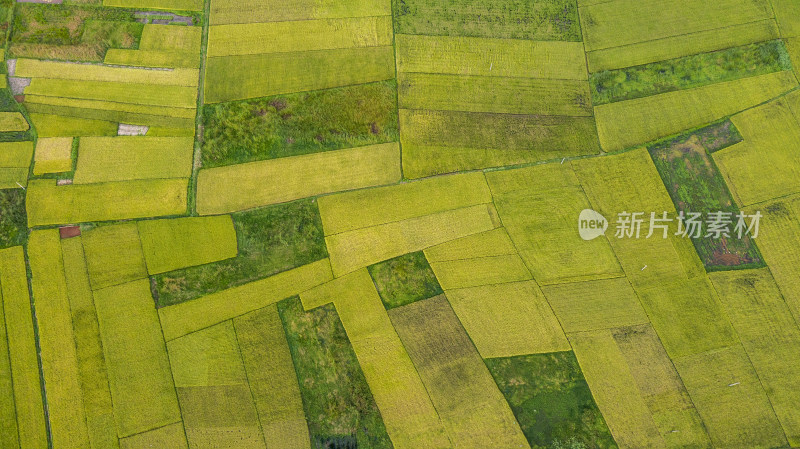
(359,248)
(364,208)
(200,313)
(112,110)
(22,349)
(477,271)
(410,417)
(9,434)
(113,255)
(730,399)
(446,92)
(297,36)
(245,186)
(441,352)
(179,5)
(231,11)
(49,204)
(623,22)
(138,367)
(13,121)
(60,372)
(595,305)
(661,387)
(505,320)
(682,45)
(539,207)
(91,362)
(184,242)
(50,125)
(272,378)
(172,436)
(159,37)
(34,68)
(490,57)
(615,390)
(153,58)
(630,182)
(437,142)
(628,123)
(135,93)
(249,76)
(779,242)
(104,159)
(770,337)
(767,164)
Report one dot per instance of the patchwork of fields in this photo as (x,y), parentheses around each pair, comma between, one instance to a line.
(355,224)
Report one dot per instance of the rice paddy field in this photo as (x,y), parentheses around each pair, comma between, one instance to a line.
(400,224)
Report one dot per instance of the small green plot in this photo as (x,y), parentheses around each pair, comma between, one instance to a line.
(405,279)
(551,401)
(270,240)
(339,406)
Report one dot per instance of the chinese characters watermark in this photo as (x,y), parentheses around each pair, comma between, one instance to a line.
(715,225)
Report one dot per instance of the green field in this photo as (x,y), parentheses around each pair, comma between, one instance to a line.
(13,220)
(104,159)
(228,11)
(404,280)
(302,123)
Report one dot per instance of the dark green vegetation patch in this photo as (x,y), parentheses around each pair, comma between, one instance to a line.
(338,403)
(302,123)
(696,185)
(271,240)
(404,279)
(76,33)
(9,104)
(548,20)
(13,220)
(691,71)
(551,401)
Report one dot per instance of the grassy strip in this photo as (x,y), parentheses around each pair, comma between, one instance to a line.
(404,279)
(302,123)
(690,71)
(695,185)
(550,20)
(338,403)
(271,240)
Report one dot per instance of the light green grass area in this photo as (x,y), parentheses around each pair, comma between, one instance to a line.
(104,159)
(551,400)
(628,123)
(300,123)
(23,360)
(336,398)
(245,186)
(49,204)
(138,368)
(34,68)
(60,373)
(404,280)
(251,76)
(177,243)
(272,378)
(113,255)
(50,125)
(230,11)
(296,36)
(555,20)
(442,352)
(730,399)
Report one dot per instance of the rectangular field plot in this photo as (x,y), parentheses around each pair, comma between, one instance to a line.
(103,159)
(486,244)
(628,123)
(113,255)
(23,362)
(249,76)
(623,22)
(510,319)
(297,36)
(177,243)
(34,68)
(238,187)
(53,155)
(13,121)
(730,399)
(410,418)
(153,58)
(159,37)
(769,335)
(229,11)
(180,5)
(472,409)
(539,207)
(477,271)
(121,92)
(48,203)
(51,125)
(110,111)
(767,164)
(404,279)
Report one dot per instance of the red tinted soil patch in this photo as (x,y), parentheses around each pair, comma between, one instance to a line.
(69,231)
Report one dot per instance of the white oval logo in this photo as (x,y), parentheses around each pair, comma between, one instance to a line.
(591,224)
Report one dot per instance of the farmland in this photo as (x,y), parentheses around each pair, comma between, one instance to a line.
(399,224)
